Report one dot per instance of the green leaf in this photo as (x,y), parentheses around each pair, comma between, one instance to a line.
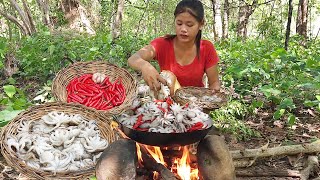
(291,119)
(10,90)
(278,113)
(47,33)
(310,103)
(268,91)
(287,103)
(6,116)
(318,97)
(93,178)
(94,49)
(51,49)
(257,103)
(72,55)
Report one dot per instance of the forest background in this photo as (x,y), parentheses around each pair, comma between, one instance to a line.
(269,50)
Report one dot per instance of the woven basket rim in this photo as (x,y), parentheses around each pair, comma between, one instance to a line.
(103,123)
(206,91)
(79,68)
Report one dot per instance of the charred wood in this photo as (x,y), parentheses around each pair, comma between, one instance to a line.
(151,164)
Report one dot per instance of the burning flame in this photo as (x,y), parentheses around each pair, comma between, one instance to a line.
(139,154)
(183,166)
(180,167)
(156,154)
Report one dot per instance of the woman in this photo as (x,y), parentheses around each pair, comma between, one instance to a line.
(189,58)
(184,54)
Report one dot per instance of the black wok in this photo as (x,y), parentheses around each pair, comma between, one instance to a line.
(165,139)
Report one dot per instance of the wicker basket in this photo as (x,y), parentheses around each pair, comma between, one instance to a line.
(65,75)
(182,96)
(35,113)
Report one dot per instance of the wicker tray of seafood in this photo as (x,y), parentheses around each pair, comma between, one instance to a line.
(56,141)
(202,97)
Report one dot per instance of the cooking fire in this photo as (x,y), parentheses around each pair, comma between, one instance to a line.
(130,160)
(182,167)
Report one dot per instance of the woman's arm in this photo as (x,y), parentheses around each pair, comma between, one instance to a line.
(140,61)
(213,78)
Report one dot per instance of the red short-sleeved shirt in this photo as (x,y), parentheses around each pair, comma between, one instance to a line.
(188,75)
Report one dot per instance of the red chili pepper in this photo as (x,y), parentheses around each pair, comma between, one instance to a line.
(84,77)
(97,104)
(110,100)
(75,98)
(139,122)
(106,82)
(89,81)
(92,88)
(196,126)
(169,101)
(98,96)
(88,102)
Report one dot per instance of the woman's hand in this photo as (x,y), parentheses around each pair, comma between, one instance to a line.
(215,87)
(213,78)
(152,77)
(140,61)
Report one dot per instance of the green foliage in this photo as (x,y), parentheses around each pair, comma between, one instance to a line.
(44,54)
(14,101)
(285,78)
(231,118)
(44,94)
(3,50)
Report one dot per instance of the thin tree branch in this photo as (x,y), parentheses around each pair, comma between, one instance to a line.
(15,21)
(29,16)
(15,5)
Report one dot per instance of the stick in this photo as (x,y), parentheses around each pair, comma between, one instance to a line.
(267,173)
(277,151)
(241,163)
(312,164)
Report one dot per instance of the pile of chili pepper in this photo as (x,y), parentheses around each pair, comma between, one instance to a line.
(103,96)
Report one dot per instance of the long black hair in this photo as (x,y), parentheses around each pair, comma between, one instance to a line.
(195,8)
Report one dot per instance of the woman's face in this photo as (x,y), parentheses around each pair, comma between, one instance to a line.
(187,27)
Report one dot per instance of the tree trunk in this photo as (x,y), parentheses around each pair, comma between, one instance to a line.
(288,25)
(44,8)
(225,20)
(302,18)
(217,23)
(245,10)
(76,15)
(116,25)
